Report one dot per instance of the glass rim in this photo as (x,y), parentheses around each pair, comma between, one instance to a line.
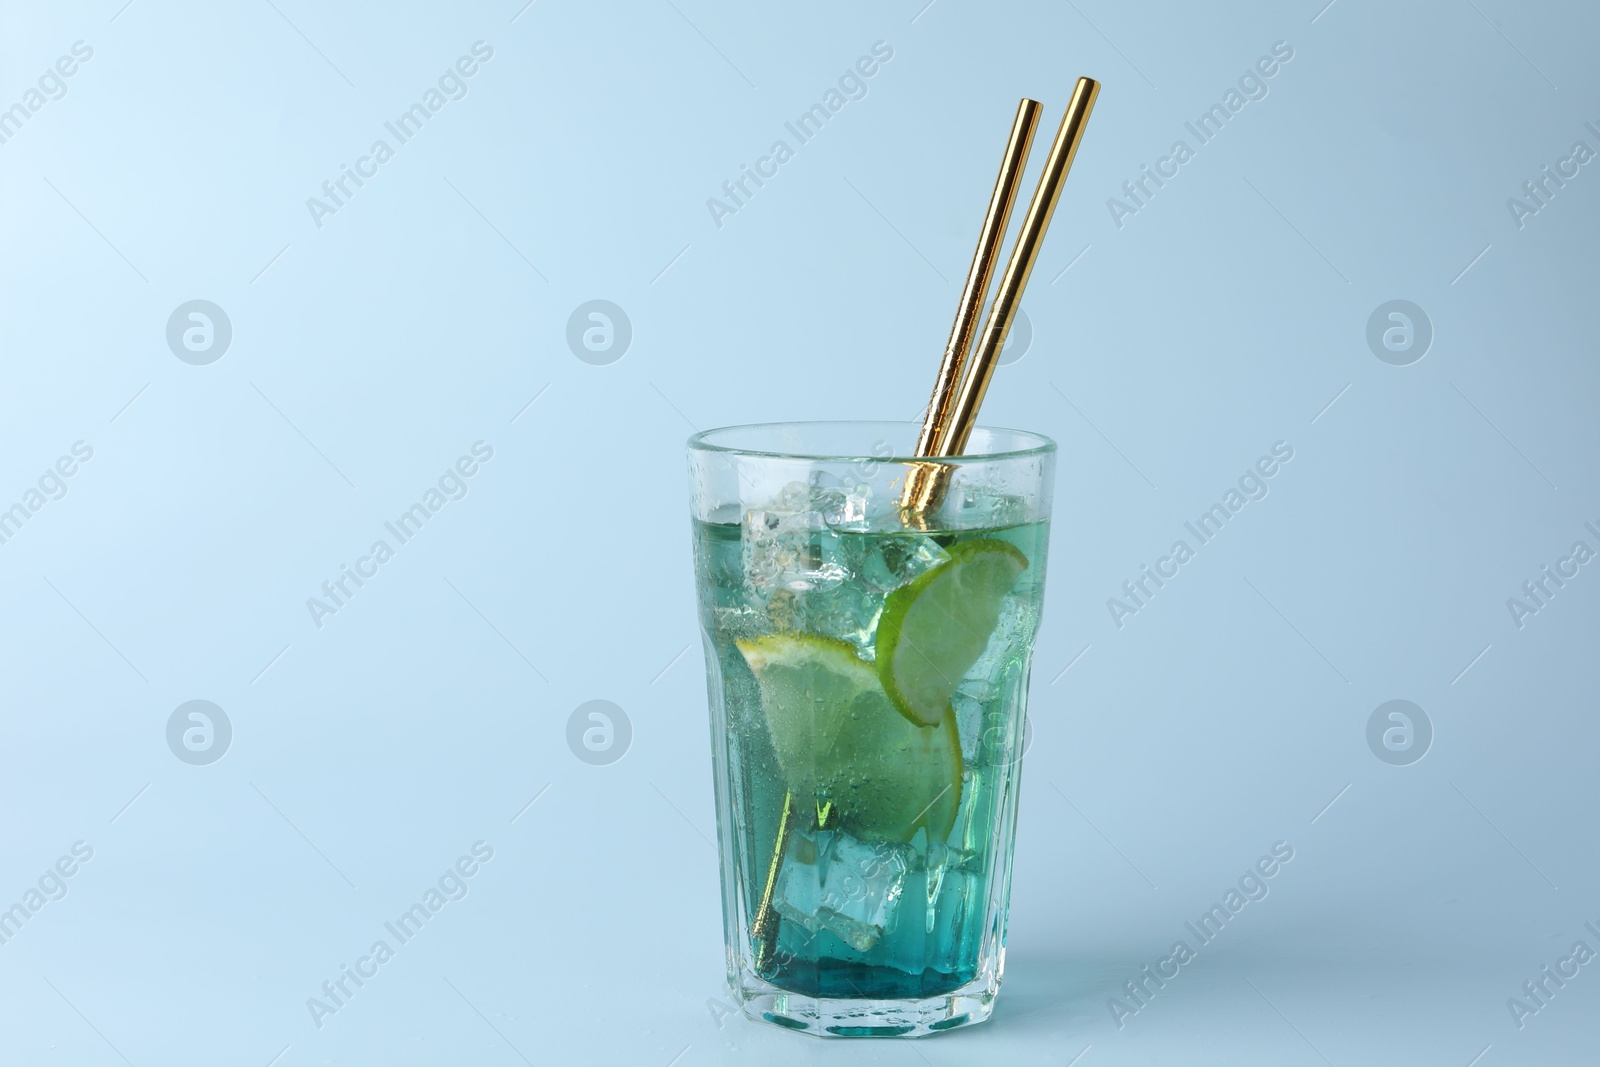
(701,442)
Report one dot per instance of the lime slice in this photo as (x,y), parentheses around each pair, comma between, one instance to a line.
(840,741)
(934,629)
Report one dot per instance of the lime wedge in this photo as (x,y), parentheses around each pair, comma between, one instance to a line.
(840,741)
(934,629)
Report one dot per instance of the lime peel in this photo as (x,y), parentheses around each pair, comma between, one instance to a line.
(934,628)
(843,746)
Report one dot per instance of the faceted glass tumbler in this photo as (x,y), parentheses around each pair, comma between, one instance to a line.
(867,665)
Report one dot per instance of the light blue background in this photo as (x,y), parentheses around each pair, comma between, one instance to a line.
(369,353)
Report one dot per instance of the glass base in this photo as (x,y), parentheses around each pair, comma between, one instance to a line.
(867,1017)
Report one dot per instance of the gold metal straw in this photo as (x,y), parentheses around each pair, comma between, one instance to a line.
(948,423)
(925,483)
(765,927)
(995,220)
(1015,279)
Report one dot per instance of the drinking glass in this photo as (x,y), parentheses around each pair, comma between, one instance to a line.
(867,672)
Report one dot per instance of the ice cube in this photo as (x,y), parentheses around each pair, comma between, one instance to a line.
(782,544)
(970,710)
(832,881)
(885,563)
(794,498)
(784,611)
(983,505)
(739,620)
(844,506)
(871,566)
(848,611)
(962,899)
(939,856)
